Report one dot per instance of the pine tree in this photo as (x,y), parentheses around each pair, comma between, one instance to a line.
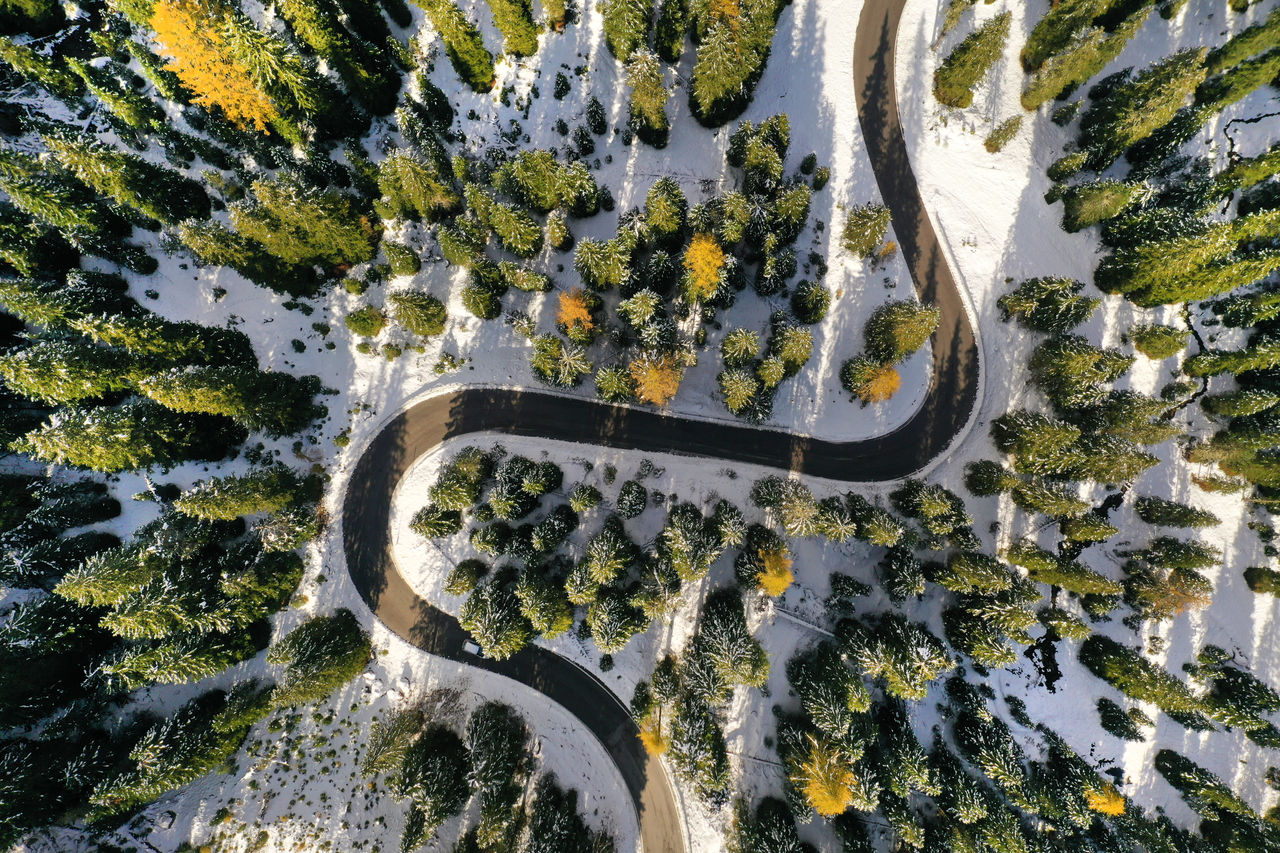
(36,66)
(275,403)
(626,25)
(366,71)
(462,42)
(1072,372)
(413,188)
(1054,32)
(514,19)
(131,181)
(318,656)
(419,313)
(68,371)
(898,329)
(1135,677)
(492,616)
(1048,569)
(1173,514)
(214,244)
(1134,108)
(134,435)
(226,498)
(433,777)
(124,103)
(1088,52)
(649,96)
(303,226)
(969,62)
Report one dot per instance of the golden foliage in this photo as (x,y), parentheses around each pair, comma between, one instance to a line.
(827,778)
(574,312)
(776,575)
(657,378)
(703,261)
(655,742)
(189,38)
(882,385)
(1107,801)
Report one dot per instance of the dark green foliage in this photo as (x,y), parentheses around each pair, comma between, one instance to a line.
(130,181)
(1116,721)
(419,313)
(273,402)
(1173,514)
(626,25)
(1087,54)
(964,67)
(1158,342)
(540,182)
(1054,32)
(432,775)
(1073,373)
(1263,580)
(1133,108)
(903,654)
(318,656)
(1093,202)
(632,499)
(300,225)
(734,45)
(557,362)
(1051,305)
(493,617)
(1002,134)
(265,490)
(670,29)
(772,829)
(1056,571)
(365,70)
(415,187)
(171,753)
(810,301)
(1136,677)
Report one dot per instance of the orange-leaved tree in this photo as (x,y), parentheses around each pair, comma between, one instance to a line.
(575,314)
(190,39)
(703,261)
(657,377)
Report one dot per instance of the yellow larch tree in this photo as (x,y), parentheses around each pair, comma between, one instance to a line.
(657,377)
(189,38)
(703,261)
(882,385)
(775,574)
(651,736)
(827,778)
(1105,800)
(574,313)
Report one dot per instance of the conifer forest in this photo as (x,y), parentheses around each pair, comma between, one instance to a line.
(679,426)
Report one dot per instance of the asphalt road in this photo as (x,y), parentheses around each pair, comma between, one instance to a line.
(418,430)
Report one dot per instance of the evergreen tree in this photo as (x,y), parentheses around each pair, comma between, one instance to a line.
(1173,514)
(1135,677)
(514,19)
(48,71)
(649,96)
(67,371)
(366,71)
(276,403)
(226,498)
(626,25)
(216,245)
(134,435)
(897,329)
(969,62)
(1135,107)
(670,30)
(462,42)
(419,313)
(433,777)
(318,656)
(1072,372)
(131,181)
(300,225)
(1088,52)
(1048,569)
(902,653)
(1055,31)
(414,188)
(492,616)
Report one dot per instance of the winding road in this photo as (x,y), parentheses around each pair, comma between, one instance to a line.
(418,430)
